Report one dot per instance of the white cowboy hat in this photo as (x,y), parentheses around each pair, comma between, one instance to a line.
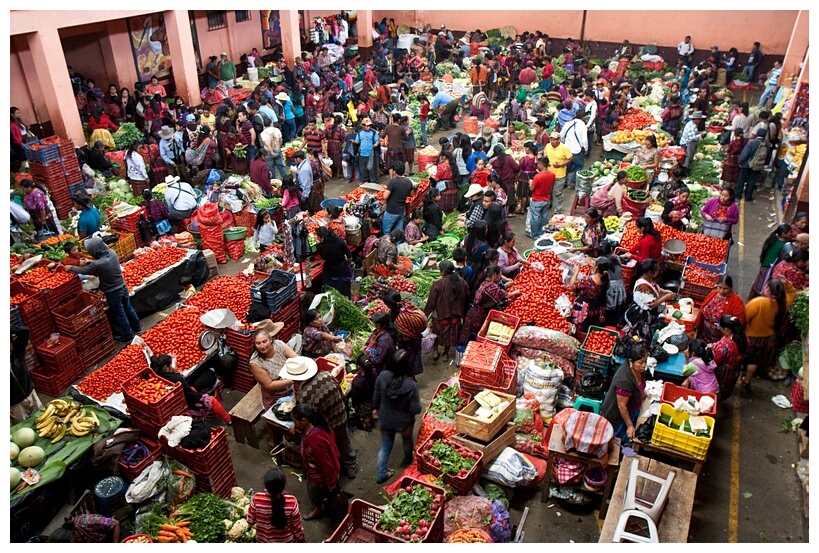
(170,179)
(473,189)
(299,369)
(697,115)
(282,96)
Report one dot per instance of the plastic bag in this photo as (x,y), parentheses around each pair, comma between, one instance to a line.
(330,315)
(563,305)
(145,485)
(510,468)
(524,355)
(544,339)
(468,511)
(427,341)
(180,486)
(501,528)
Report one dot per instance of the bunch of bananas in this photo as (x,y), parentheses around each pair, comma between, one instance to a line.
(62,417)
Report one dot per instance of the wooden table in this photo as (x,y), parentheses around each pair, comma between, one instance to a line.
(696,463)
(558,450)
(676,517)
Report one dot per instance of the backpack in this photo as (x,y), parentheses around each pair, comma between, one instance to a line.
(757,162)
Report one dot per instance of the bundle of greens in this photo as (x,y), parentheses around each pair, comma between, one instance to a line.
(561,75)
(205,511)
(800,311)
(423,282)
(446,404)
(705,172)
(127,134)
(347,316)
(267,203)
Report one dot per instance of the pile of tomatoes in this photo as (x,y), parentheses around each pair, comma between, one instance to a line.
(698,275)
(223,293)
(55,280)
(634,120)
(35,275)
(179,334)
(355,195)
(19,298)
(600,341)
(149,390)
(704,249)
(540,291)
(145,265)
(108,379)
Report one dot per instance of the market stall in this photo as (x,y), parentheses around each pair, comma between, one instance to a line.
(153,277)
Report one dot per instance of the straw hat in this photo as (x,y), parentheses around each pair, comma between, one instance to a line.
(555,134)
(271,327)
(473,189)
(166,132)
(282,96)
(366,121)
(697,115)
(487,131)
(170,179)
(298,369)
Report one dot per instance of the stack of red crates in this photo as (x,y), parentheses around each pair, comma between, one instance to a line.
(485,365)
(150,417)
(83,318)
(55,165)
(129,223)
(242,344)
(212,464)
(32,311)
(59,367)
(129,472)
(290,315)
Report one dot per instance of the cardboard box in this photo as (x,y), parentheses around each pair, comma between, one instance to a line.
(210,258)
(492,448)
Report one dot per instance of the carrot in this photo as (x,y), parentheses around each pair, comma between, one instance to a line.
(187,532)
(182,473)
(169,527)
(183,524)
(167,534)
(164,539)
(182,537)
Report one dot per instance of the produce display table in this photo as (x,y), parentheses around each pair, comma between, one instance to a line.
(649,448)
(676,518)
(163,288)
(558,450)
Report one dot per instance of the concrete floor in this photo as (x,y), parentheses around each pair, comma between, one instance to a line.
(748,475)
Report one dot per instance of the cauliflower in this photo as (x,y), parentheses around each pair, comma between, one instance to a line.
(236,493)
(239,528)
(228,524)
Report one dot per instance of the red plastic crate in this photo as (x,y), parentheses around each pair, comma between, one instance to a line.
(241,342)
(98,353)
(205,460)
(672,392)
(69,289)
(508,385)
(130,472)
(61,358)
(288,331)
(172,403)
(359,525)
(504,319)
(436,528)
(93,335)
(464,395)
(77,314)
(290,311)
(149,428)
(462,485)
(54,385)
(218,482)
(328,365)
(63,210)
(243,380)
(127,223)
(481,363)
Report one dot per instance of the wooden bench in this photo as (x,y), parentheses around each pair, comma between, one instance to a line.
(245,415)
(676,517)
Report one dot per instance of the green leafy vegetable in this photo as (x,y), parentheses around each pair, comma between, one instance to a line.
(636,173)
(127,134)
(411,507)
(451,461)
(267,203)
(446,404)
(800,311)
(153,521)
(205,511)
(347,316)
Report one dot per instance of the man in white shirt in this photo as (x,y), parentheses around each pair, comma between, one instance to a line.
(575,135)
(771,84)
(684,51)
(271,138)
(304,174)
(180,198)
(591,113)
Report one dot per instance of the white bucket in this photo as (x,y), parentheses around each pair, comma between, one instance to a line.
(405,42)
(252,73)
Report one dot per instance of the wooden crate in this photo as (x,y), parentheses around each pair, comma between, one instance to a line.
(492,448)
(470,425)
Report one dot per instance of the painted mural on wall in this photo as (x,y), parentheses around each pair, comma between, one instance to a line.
(149,43)
(271,29)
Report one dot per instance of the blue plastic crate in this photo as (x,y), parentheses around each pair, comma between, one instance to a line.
(74,188)
(275,300)
(46,154)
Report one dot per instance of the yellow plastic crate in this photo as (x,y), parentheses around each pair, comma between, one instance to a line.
(678,440)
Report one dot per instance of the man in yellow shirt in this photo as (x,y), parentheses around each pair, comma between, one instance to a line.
(559,157)
(207,118)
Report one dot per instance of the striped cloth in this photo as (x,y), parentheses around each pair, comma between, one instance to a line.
(259,513)
(588,433)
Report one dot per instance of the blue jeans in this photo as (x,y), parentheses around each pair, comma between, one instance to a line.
(289,129)
(577,165)
(781,173)
(538,217)
(390,221)
(276,163)
(768,93)
(124,315)
(746,181)
(423,133)
(749,70)
(251,153)
(387,441)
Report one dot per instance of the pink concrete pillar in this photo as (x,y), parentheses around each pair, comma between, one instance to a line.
(52,71)
(291,37)
(365,28)
(797,46)
(116,51)
(180,41)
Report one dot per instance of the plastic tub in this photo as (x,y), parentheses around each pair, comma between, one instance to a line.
(340,202)
(234,233)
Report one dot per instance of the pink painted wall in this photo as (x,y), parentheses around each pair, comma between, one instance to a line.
(236,39)
(21,97)
(725,28)
(84,53)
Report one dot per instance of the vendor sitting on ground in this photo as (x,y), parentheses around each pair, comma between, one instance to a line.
(387,261)
(316,338)
(97,160)
(87,528)
(622,404)
(199,405)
